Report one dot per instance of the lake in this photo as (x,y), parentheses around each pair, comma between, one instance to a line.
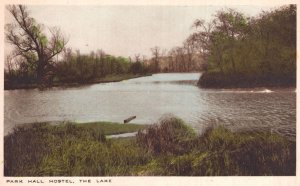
(153,97)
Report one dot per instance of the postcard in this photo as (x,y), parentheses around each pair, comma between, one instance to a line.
(149,92)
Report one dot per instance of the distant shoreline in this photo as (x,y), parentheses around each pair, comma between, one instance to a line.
(107,79)
(221,81)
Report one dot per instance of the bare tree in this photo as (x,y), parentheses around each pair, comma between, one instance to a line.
(189,51)
(201,39)
(9,64)
(100,53)
(180,59)
(156,54)
(137,57)
(27,36)
(67,54)
(172,60)
(144,58)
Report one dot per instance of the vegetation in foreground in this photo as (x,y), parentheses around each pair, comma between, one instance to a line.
(110,128)
(169,148)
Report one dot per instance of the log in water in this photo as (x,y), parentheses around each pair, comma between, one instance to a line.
(152,97)
(129,119)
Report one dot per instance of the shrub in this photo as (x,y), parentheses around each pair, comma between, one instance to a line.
(220,152)
(168,148)
(170,135)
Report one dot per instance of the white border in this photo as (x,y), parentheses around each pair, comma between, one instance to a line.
(205,181)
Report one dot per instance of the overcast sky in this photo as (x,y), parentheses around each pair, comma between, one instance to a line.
(127,30)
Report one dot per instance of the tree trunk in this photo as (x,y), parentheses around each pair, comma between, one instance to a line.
(40,71)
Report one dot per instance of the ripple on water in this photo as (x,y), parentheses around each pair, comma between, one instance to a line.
(238,109)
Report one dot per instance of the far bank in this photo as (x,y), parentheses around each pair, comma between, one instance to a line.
(107,79)
(220,80)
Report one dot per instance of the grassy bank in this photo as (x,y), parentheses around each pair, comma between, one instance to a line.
(168,148)
(219,80)
(106,79)
(110,128)
(69,149)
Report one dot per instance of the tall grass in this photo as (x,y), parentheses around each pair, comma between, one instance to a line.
(168,148)
(111,128)
(168,136)
(219,152)
(67,150)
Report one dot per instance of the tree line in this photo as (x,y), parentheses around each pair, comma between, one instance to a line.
(231,46)
(235,46)
(178,59)
(36,60)
(73,67)
(42,59)
(76,67)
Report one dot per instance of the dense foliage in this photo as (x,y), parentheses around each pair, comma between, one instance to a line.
(168,148)
(84,68)
(75,68)
(261,48)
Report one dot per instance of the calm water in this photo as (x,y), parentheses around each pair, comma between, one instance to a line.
(150,98)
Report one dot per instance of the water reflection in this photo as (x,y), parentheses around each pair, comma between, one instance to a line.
(151,97)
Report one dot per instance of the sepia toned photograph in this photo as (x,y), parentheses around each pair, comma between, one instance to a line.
(136,90)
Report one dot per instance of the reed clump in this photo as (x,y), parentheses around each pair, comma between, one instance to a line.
(168,136)
(217,152)
(167,148)
(68,150)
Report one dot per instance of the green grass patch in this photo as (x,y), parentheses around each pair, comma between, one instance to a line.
(110,128)
(167,148)
(68,150)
